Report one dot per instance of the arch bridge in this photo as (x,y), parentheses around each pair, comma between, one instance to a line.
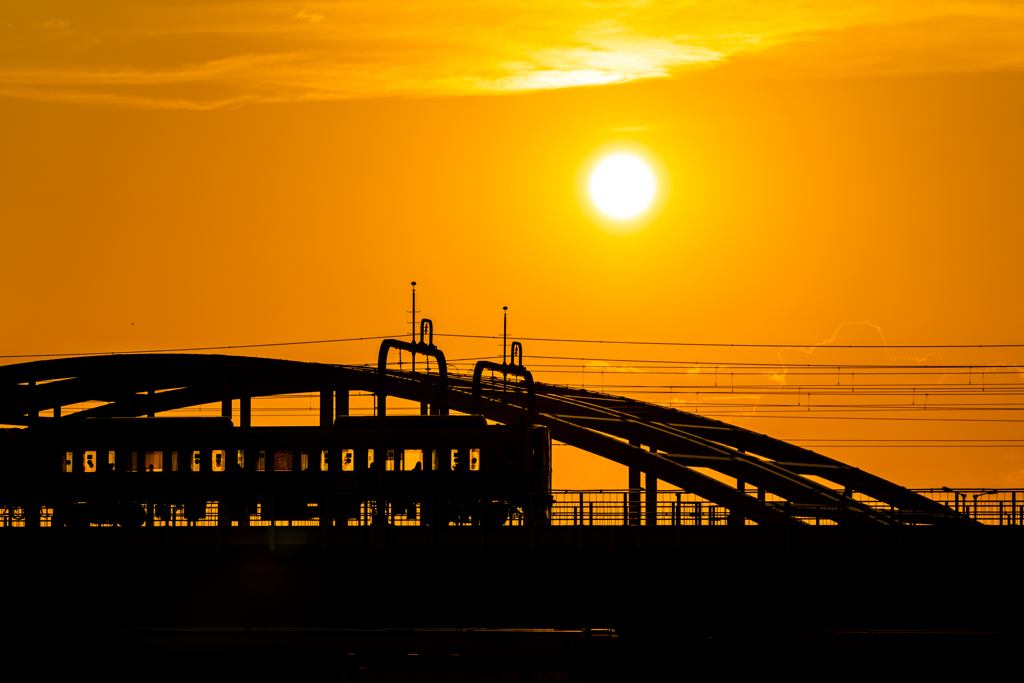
(759,478)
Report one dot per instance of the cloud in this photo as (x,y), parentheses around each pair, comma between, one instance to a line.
(209,55)
(947,44)
(310,17)
(874,349)
(55,24)
(602,365)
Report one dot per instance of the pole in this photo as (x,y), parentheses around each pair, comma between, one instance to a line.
(414,323)
(504,346)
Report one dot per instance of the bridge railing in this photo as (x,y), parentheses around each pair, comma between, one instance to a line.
(619,507)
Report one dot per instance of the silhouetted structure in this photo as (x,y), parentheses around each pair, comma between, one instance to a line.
(666,444)
(202,523)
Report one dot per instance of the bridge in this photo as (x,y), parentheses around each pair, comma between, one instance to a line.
(762,480)
(761,550)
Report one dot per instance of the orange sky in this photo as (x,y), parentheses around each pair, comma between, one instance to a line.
(181,174)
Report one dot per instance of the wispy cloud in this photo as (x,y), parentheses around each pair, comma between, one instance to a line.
(601,365)
(311,17)
(169,55)
(55,24)
(873,350)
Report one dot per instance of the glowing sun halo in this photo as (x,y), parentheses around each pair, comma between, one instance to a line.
(622,186)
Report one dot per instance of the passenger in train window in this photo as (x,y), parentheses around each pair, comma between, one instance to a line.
(282,460)
(413,457)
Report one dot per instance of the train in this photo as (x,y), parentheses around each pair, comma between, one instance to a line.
(420,470)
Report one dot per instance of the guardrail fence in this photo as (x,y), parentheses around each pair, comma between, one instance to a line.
(621,507)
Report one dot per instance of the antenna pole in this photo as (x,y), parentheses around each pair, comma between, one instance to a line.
(414,323)
(504,346)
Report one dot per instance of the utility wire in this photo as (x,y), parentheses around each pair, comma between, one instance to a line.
(760,346)
(706,365)
(200,348)
(538,339)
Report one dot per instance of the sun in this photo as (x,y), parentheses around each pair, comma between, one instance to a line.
(622,186)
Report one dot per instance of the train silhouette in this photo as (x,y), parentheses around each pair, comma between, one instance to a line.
(435,469)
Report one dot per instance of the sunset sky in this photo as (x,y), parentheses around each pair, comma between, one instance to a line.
(195,174)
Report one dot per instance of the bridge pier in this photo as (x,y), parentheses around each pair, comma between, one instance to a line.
(33,409)
(634,492)
(340,403)
(245,410)
(651,496)
(326,408)
(126,399)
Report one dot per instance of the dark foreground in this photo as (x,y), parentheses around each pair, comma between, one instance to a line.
(564,606)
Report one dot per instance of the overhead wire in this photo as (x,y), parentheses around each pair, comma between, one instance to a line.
(199,348)
(763,346)
(537,339)
(858,373)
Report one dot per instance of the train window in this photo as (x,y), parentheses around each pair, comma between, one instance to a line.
(433,459)
(282,461)
(413,459)
(453,460)
(474,459)
(348,459)
(241,459)
(369,457)
(154,461)
(304,465)
(68,458)
(90,461)
(219,461)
